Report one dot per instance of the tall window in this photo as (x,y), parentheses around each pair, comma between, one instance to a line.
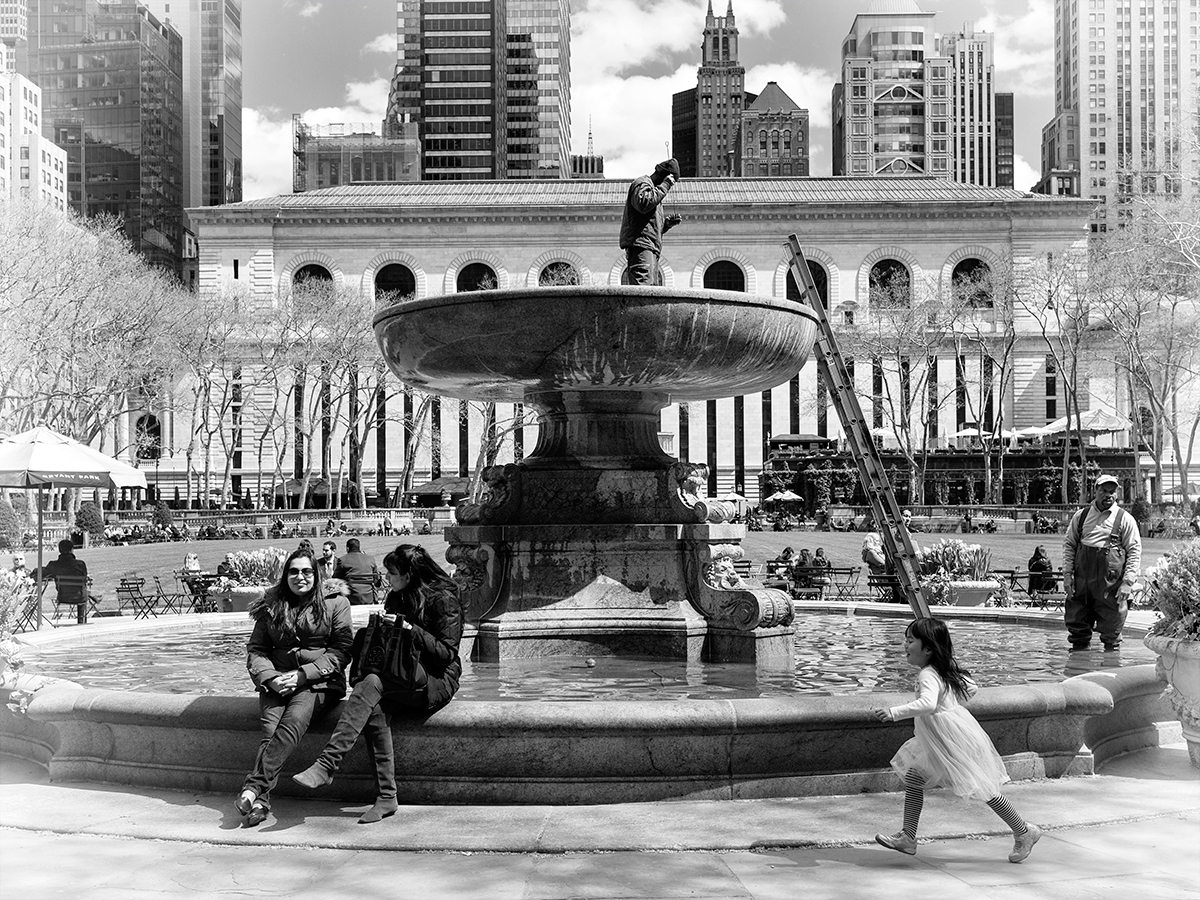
(476,276)
(820,278)
(558,273)
(394,282)
(972,283)
(724,275)
(890,284)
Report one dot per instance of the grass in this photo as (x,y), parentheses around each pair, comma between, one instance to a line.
(106,565)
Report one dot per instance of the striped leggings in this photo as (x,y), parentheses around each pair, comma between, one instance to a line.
(914,799)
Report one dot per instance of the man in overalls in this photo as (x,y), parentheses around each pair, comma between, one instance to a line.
(1102,559)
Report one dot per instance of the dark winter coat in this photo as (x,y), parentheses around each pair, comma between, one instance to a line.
(321,651)
(642,222)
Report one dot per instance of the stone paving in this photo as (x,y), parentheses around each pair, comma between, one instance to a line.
(1131,832)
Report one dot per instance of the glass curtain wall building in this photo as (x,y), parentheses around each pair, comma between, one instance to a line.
(450,80)
(538,97)
(112,88)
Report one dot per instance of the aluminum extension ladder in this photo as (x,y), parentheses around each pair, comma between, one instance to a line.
(897,543)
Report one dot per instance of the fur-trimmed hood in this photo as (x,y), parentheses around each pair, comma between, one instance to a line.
(334,587)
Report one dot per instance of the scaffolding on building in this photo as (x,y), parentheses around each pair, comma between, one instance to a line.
(339,153)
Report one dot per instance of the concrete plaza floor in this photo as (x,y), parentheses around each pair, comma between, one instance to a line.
(1130,832)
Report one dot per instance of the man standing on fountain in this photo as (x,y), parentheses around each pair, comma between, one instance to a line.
(645,222)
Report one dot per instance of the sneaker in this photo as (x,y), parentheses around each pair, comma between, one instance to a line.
(1023,845)
(1078,647)
(902,842)
(1112,648)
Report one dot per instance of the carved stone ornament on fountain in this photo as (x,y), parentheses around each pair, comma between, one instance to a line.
(598,542)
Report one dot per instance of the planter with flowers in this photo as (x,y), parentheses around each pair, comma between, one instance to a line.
(16,687)
(1174,586)
(954,573)
(247,576)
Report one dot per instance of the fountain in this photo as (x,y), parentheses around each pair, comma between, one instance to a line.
(598,542)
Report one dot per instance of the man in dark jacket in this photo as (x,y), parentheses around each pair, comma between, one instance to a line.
(644,221)
(70,579)
(358,570)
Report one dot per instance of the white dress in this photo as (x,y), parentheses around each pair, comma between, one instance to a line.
(949,747)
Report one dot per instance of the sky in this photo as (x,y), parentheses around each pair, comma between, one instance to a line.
(330,60)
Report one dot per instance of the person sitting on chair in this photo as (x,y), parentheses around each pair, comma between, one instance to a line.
(1039,567)
(74,574)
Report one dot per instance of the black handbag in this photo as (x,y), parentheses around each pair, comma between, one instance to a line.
(389,651)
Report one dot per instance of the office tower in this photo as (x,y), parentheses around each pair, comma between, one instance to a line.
(14,31)
(212,96)
(774,135)
(912,102)
(31,166)
(450,81)
(538,95)
(1125,103)
(713,111)
(587,165)
(1005,141)
(328,155)
(112,81)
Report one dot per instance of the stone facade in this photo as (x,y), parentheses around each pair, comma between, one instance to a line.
(732,236)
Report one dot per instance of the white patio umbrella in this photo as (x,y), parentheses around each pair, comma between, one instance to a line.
(1033,431)
(1094,421)
(42,458)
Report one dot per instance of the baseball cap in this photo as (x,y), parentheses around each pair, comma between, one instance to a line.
(1107,479)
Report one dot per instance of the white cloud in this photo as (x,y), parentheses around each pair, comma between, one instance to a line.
(1024,45)
(809,88)
(267,135)
(385,43)
(308,10)
(1025,176)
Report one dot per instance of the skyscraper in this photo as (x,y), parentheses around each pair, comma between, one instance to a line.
(31,167)
(112,82)
(1125,103)
(14,31)
(912,102)
(709,117)
(538,96)
(212,96)
(451,80)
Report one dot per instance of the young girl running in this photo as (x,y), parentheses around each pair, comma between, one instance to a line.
(949,749)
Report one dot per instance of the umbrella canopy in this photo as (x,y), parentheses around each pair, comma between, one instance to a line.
(1094,421)
(1033,431)
(42,458)
(784,497)
(45,458)
(449,484)
(1191,489)
(732,497)
(316,487)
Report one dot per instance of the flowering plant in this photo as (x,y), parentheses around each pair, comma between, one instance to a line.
(1174,586)
(254,567)
(15,592)
(958,560)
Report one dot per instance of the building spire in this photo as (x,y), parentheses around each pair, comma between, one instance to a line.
(590,151)
(728,11)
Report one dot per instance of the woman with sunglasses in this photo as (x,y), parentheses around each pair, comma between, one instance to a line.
(422,599)
(296,656)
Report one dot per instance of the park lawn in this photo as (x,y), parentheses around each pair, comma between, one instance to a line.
(107,565)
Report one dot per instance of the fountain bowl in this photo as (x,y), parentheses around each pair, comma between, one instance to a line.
(507,345)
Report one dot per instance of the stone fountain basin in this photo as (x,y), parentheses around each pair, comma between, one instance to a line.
(508,345)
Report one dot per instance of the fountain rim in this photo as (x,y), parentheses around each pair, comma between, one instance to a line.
(624,293)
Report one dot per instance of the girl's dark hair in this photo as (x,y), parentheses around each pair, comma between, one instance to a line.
(934,634)
(424,574)
(281,606)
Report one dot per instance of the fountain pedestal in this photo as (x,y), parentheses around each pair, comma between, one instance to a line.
(599,542)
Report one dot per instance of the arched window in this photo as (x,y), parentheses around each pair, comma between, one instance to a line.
(558,273)
(476,276)
(394,282)
(724,275)
(972,283)
(820,279)
(148,437)
(891,284)
(311,275)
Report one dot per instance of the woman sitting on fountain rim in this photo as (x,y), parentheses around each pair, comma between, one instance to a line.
(296,655)
(423,599)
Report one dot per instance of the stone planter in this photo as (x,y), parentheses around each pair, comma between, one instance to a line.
(238,598)
(972,593)
(1179,665)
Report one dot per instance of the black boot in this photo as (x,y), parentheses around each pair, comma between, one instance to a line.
(378,733)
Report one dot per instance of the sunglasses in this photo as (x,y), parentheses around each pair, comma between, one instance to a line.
(300,572)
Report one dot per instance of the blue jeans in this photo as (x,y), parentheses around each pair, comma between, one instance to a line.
(284,723)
